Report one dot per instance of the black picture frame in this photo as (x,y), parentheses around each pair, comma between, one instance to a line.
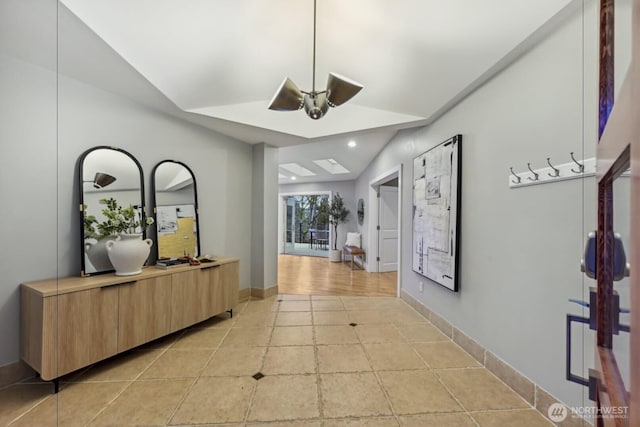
(437,179)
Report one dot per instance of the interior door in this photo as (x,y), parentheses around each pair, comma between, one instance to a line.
(388,233)
(618,149)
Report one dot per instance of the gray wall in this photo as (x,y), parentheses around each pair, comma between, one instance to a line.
(47,121)
(520,249)
(264,268)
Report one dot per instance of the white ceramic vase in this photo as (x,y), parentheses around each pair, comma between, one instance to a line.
(96,251)
(128,253)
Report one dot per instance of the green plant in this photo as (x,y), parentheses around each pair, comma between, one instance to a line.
(118,219)
(336,213)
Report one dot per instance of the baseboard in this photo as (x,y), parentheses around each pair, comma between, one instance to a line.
(535,395)
(15,372)
(262,293)
(244,294)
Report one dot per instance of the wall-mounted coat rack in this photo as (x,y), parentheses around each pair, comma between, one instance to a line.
(553,173)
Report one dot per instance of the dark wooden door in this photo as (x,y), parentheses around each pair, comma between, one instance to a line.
(617,152)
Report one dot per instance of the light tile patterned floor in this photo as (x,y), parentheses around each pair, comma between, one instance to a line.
(326,361)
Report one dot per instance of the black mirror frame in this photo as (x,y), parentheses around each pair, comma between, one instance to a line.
(83,156)
(360,211)
(155,204)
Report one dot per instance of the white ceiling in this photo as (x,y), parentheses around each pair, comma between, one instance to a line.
(221,61)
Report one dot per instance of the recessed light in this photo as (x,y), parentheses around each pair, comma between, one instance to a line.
(352,144)
(293,178)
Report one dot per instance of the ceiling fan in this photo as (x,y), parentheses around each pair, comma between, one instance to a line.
(339,90)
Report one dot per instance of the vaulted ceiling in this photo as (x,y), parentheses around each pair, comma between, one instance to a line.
(221,61)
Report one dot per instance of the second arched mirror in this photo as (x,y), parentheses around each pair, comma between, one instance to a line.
(175,201)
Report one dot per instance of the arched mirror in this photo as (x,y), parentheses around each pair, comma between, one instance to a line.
(106,173)
(175,201)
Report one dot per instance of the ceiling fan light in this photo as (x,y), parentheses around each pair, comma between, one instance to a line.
(340,89)
(287,98)
(316,105)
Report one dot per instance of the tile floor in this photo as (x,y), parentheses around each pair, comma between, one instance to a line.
(326,361)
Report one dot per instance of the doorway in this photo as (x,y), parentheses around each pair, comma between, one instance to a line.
(384,225)
(303,228)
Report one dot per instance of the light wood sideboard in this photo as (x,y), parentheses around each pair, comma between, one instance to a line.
(72,322)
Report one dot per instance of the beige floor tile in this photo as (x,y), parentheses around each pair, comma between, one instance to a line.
(359,303)
(263,305)
(342,358)
(292,335)
(404,316)
(285,397)
(293,297)
(363,317)
(289,360)
(363,422)
(352,395)
(220,321)
(17,399)
(75,405)
(439,420)
(327,305)
(297,423)
(235,361)
(444,354)
(425,332)
(330,318)
(294,318)
(477,389)
(260,319)
(216,400)
(125,367)
(393,357)
(247,337)
(523,418)
(144,403)
(336,334)
(200,338)
(178,364)
(414,392)
(378,334)
(295,305)
(325,297)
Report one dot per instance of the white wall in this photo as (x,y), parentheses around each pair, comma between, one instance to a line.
(346,190)
(46,122)
(520,249)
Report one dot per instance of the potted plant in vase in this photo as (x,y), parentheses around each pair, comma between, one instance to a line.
(127,251)
(336,213)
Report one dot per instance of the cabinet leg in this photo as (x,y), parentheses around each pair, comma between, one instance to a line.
(56,386)
(230,311)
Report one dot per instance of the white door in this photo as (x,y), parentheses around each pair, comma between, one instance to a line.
(388,231)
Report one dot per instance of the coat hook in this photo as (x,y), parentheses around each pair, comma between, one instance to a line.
(534,174)
(556,171)
(580,167)
(517,177)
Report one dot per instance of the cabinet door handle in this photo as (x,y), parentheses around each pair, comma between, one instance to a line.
(133,282)
(209,267)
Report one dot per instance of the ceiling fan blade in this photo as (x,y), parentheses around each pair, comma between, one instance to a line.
(287,98)
(341,89)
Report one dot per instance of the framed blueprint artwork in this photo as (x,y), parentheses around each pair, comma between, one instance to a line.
(436,212)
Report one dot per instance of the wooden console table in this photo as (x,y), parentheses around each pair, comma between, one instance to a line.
(73,322)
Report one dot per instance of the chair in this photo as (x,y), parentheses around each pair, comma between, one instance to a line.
(353,249)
